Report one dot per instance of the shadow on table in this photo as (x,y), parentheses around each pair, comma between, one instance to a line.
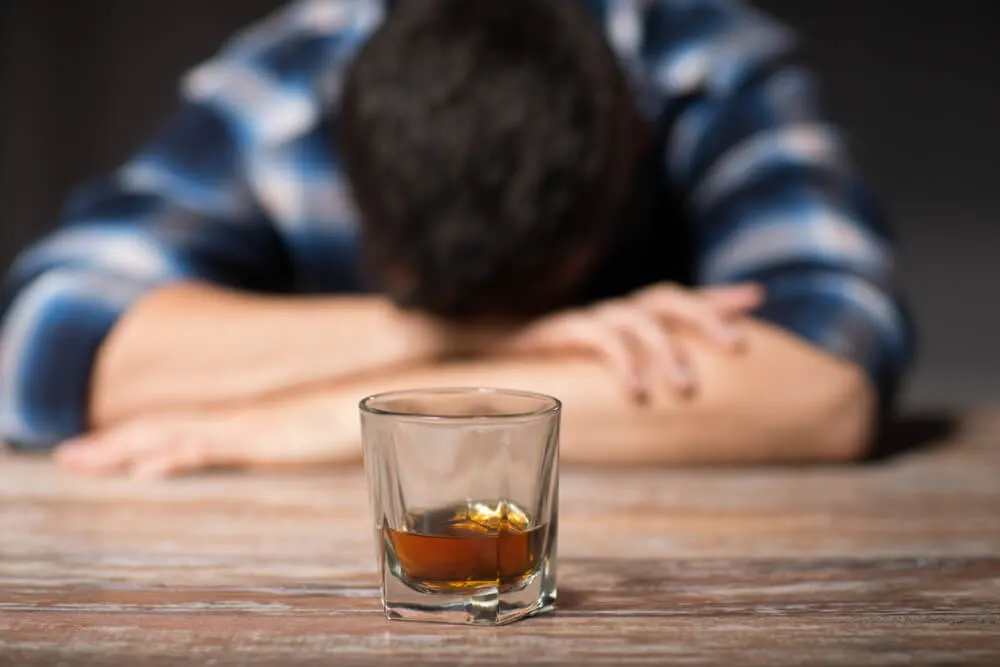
(914,432)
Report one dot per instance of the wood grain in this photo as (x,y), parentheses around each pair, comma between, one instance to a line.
(896,563)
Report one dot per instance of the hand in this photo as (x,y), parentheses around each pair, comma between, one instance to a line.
(633,334)
(168,444)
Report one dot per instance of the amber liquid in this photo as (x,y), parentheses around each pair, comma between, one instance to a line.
(469,547)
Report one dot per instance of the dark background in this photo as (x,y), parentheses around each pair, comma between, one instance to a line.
(915,82)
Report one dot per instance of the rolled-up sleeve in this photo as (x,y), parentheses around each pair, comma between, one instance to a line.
(190,206)
(768,183)
(178,211)
(51,335)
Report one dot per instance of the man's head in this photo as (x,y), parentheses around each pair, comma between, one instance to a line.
(491,147)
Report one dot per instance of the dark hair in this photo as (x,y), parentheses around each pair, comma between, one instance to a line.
(486,142)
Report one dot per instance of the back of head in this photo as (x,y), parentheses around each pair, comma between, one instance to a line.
(490,145)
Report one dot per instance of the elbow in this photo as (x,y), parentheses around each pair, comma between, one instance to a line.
(49,336)
(843,427)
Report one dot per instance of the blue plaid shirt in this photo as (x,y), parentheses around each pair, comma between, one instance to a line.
(241,188)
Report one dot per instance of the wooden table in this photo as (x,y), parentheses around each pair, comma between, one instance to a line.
(890,563)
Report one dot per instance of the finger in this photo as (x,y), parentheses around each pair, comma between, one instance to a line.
(200,444)
(659,346)
(182,458)
(115,450)
(608,341)
(681,306)
(734,299)
(70,452)
(99,454)
(156,467)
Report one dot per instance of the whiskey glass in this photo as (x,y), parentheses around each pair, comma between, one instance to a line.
(463,485)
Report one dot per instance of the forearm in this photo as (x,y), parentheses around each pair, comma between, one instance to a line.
(779,401)
(194,345)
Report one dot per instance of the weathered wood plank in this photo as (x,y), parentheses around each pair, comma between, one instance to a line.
(895,563)
(170,639)
(591,587)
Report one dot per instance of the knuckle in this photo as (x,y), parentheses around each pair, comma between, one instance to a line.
(624,312)
(581,328)
(645,323)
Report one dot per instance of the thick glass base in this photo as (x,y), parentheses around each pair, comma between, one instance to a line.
(487,605)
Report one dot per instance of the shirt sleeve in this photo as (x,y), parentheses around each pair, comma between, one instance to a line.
(768,183)
(190,206)
(178,211)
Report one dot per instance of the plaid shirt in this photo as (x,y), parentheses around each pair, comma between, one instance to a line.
(241,188)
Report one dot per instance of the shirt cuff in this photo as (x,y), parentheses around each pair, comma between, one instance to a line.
(49,343)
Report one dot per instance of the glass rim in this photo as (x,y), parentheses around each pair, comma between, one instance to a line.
(550,404)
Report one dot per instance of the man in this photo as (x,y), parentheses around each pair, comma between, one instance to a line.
(638,207)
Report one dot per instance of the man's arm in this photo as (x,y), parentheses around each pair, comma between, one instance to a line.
(769,186)
(780,400)
(167,288)
(191,345)
(178,211)
(187,209)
